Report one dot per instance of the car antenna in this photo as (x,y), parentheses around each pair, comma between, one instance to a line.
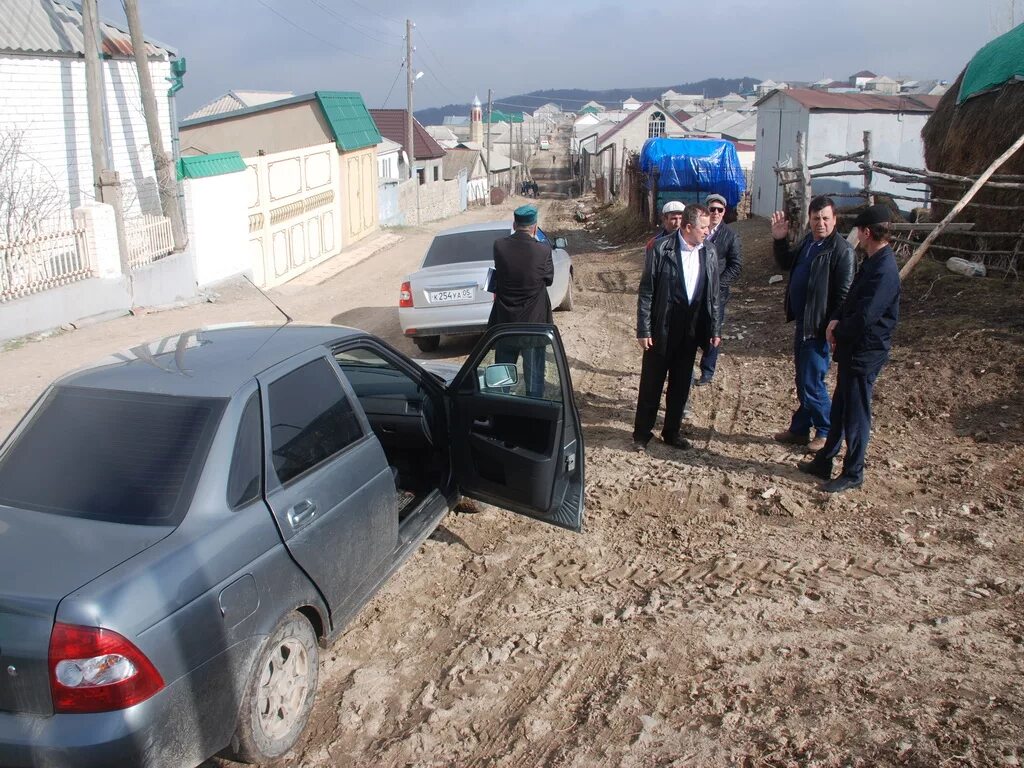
(287,317)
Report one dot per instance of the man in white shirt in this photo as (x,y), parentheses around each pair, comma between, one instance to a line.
(677,313)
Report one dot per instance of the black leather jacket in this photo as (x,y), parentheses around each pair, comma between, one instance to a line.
(661,272)
(830,278)
(730,258)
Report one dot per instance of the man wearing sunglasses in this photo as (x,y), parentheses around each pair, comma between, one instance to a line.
(730,263)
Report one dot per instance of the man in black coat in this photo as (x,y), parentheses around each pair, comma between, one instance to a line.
(730,264)
(860,332)
(677,312)
(523,269)
(820,273)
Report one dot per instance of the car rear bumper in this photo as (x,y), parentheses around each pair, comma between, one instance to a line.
(451,321)
(182,725)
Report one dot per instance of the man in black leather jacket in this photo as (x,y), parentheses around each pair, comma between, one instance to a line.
(677,312)
(820,272)
(730,264)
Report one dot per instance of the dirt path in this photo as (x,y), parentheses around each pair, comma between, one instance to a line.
(718,609)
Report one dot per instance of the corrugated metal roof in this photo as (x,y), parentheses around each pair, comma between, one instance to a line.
(456,160)
(49,27)
(391,123)
(350,122)
(233,100)
(201,166)
(857,102)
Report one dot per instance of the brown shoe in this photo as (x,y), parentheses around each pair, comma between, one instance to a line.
(816,444)
(790,438)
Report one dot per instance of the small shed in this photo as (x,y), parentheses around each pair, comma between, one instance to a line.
(834,123)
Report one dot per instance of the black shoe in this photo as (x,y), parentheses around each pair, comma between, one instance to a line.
(822,469)
(843,483)
(703,381)
(678,442)
(639,446)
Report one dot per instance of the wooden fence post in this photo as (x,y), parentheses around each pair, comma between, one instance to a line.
(866,165)
(803,177)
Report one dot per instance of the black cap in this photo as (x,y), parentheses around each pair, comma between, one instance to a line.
(875,214)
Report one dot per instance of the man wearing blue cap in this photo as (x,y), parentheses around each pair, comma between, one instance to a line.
(523,269)
(860,333)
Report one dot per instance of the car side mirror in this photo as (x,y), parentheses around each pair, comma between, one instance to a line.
(500,375)
(560,242)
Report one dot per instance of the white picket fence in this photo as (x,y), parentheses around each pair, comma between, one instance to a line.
(149,238)
(43,262)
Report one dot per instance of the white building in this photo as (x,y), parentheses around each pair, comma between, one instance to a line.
(43,103)
(388,160)
(834,123)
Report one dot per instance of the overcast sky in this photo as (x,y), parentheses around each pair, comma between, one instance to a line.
(469,46)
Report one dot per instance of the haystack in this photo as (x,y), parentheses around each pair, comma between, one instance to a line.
(964,138)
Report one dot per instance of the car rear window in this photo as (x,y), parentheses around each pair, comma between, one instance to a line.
(120,457)
(463,247)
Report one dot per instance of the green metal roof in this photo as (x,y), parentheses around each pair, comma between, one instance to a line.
(999,61)
(591,110)
(201,166)
(350,122)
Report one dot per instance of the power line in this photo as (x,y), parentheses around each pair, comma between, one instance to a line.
(400,68)
(358,28)
(376,13)
(315,36)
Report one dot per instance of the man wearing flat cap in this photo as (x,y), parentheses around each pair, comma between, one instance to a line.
(860,333)
(730,263)
(671,218)
(523,269)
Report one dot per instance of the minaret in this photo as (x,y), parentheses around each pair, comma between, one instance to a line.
(476,121)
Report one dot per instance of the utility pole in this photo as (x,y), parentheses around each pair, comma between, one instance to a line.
(105,181)
(488,128)
(166,175)
(409,78)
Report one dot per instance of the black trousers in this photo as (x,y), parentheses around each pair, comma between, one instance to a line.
(677,364)
(851,418)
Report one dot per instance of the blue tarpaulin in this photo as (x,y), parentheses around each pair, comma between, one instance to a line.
(695,165)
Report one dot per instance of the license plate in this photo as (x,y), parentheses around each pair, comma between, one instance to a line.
(445,297)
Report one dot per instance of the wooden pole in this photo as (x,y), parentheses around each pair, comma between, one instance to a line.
(166,173)
(996,164)
(866,165)
(410,148)
(804,178)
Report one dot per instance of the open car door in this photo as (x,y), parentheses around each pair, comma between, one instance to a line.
(516,439)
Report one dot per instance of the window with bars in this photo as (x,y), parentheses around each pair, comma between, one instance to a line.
(656,126)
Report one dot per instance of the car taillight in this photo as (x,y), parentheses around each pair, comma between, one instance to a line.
(97,670)
(405,295)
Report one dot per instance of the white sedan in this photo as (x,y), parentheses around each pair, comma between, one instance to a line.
(447,296)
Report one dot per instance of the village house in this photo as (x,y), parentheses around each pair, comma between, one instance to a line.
(834,123)
(460,160)
(232,101)
(312,179)
(650,120)
(427,153)
(77,269)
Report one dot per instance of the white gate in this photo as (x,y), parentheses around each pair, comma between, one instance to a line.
(294,212)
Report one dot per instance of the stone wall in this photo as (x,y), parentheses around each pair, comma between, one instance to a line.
(420,203)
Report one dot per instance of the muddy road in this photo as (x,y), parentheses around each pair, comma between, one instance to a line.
(719,609)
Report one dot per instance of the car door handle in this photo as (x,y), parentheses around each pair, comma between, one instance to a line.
(301,514)
(486,422)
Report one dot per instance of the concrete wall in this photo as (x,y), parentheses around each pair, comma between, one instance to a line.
(420,203)
(390,212)
(44,99)
(269,131)
(170,280)
(218,222)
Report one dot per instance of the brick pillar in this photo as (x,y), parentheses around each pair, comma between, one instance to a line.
(101,237)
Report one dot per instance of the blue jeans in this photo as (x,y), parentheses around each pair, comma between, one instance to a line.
(709,360)
(811,359)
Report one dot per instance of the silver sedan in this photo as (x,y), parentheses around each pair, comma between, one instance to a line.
(447,295)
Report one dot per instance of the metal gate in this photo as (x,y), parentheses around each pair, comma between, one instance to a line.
(294,212)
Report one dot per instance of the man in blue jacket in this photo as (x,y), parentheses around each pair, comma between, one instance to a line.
(861,334)
(820,273)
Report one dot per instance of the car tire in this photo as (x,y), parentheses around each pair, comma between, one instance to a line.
(567,300)
(427,343)
(280,694)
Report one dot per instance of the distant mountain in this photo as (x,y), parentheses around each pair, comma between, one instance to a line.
(572,99)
